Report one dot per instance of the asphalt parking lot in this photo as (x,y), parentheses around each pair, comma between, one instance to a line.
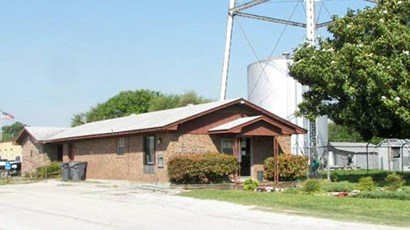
(121,205)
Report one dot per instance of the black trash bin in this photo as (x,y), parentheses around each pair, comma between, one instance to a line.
(78,170)
(65,171)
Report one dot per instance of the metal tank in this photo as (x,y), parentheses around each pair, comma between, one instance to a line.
(271,87)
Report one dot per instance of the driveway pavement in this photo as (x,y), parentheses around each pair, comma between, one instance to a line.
(121,205)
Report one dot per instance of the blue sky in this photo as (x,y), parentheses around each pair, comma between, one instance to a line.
(58,58)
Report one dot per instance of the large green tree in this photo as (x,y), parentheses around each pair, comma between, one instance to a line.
(169,101)
(9,132)
(135,102)
(360,77)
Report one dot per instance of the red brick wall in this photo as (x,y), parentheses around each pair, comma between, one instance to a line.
(105,163)
(33,156)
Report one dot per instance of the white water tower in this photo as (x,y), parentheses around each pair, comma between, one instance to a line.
(271,87)
(269,84)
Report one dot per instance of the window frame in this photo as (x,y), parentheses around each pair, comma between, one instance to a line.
(395,151)
(122,144)
(224,140)
(149,141)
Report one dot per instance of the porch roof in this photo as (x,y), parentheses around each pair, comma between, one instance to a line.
(235,123)
(253,126)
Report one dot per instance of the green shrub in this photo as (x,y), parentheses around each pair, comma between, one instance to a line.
(366,184)
(312,186)
(201,168)
(290,167)
(47,171)
(343,186)
(394,182)
(250,184)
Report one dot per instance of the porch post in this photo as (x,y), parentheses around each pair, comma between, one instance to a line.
(237,154)
(276,160)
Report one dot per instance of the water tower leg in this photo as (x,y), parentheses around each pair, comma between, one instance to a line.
(227,53)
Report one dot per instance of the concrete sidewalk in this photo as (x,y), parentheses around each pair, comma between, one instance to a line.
(124,205)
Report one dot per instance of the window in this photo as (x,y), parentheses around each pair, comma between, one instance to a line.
(149,150)
(160,161)
(227,146)
(395,152)
(71,151)
(121,146)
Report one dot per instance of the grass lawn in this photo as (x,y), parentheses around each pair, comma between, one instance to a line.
(376,211)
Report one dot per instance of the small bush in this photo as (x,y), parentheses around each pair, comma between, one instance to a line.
(290,167)
(51,170)
(366,184)
(343,186)
(394,182)
(312,186)
(201,168)
(250,184)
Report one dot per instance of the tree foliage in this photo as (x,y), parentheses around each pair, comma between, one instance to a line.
(170,101)
(11,131)
(135,102)
(361,76)
(340,133)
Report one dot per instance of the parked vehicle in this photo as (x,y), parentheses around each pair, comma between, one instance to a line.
(15,168)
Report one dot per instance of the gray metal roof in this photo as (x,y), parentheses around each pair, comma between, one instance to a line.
(43,133)
(143,121)
(235,123)
(393,142)
(354,147)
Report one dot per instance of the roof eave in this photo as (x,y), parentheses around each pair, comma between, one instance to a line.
(107,135)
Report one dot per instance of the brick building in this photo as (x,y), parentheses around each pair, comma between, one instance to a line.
(137,147)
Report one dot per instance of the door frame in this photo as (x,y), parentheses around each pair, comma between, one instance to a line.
(248,141)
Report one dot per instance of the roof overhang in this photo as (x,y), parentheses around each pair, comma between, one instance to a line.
(113,134)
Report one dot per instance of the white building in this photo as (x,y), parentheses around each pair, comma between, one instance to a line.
(394,155)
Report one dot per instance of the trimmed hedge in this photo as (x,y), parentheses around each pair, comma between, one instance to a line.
(201,168)
(342,186)
(353,176)
(290,167)
(393,195)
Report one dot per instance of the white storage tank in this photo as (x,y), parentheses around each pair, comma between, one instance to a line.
(271,87)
